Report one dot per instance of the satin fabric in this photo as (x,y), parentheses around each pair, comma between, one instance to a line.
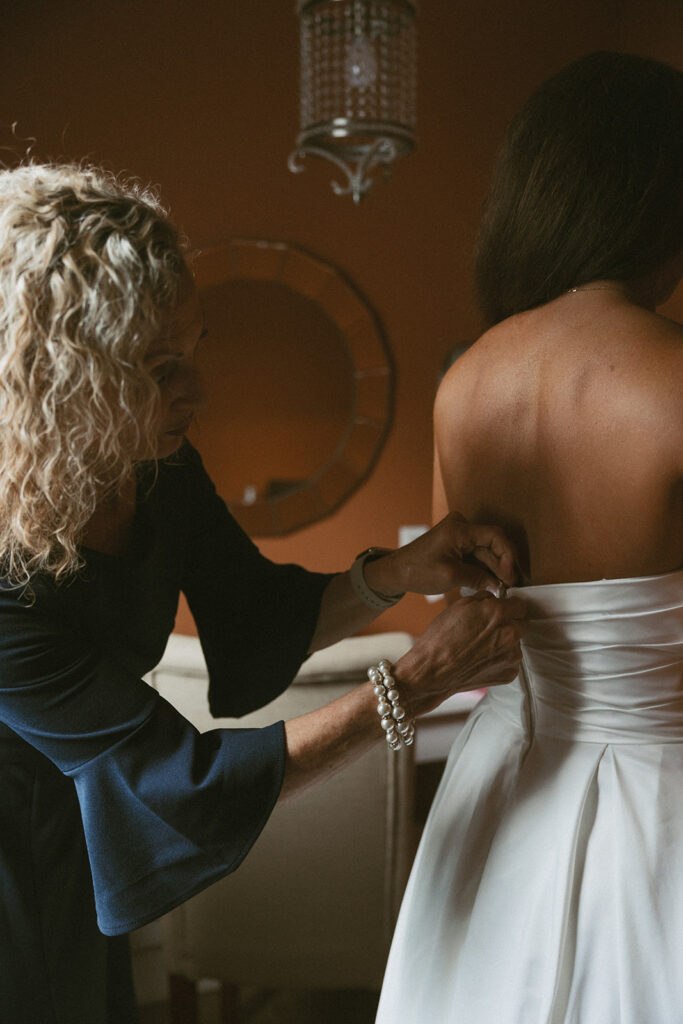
(111,803)
(548,886)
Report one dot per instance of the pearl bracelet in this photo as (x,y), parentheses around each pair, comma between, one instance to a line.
(397,730)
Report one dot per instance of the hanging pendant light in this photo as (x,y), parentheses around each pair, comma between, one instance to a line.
(358,87)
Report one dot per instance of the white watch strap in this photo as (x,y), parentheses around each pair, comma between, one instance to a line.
(379,602)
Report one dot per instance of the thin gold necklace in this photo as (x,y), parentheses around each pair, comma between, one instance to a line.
(596,288)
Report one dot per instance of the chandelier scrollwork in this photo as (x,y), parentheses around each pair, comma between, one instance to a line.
(358,87)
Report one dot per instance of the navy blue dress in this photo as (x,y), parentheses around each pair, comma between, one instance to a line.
(113,808)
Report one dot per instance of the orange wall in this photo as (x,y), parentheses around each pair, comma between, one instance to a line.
(202,99)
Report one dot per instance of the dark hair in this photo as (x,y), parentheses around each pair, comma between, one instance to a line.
(588,186)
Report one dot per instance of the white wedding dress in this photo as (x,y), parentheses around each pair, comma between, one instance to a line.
(548,887)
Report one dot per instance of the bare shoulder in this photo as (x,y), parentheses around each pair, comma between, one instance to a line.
(465,375)
(452,382)
(632,357)
(662,361)
(672,344)
(652,398)
(669,332)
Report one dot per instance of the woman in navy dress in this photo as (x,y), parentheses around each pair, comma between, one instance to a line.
(113,809)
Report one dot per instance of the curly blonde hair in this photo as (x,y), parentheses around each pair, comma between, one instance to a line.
(89,266)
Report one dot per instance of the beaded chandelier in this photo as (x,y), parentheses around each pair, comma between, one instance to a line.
(358,86)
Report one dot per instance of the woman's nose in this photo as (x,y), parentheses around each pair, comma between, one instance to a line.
(189,392)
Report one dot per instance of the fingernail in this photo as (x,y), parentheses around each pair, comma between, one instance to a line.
(497,589)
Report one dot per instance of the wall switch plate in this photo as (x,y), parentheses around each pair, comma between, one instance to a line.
(408,533)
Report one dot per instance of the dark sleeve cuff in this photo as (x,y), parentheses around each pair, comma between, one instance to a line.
(171,811)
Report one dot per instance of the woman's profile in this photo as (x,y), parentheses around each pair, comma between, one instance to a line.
(549,882)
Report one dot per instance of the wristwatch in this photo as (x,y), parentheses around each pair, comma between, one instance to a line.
(373,598)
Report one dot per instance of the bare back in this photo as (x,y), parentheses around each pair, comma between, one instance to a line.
(564,425)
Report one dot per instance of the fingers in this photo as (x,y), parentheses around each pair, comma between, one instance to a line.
(516,608)
(474,643)
(474,578)
(507,614)
(495,624)
(512,607)
(487,544)
(507,655)
(502,654)
(454,553)
(490,547)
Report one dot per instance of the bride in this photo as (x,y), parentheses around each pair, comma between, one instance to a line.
(548,887)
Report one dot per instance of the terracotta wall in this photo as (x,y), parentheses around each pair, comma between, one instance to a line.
(202,99)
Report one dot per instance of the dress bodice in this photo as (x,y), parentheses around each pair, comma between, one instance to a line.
(548,886)
(602,661)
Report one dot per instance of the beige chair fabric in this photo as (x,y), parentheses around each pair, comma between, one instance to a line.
(315,902)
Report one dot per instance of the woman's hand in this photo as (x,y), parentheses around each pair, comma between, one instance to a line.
(454,553)
(473,644)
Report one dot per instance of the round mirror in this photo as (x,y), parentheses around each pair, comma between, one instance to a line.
(299,384)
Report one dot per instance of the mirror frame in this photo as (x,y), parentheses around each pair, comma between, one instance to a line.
(373,377)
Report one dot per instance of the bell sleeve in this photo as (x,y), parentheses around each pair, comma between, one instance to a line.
(166,811)
(255,618)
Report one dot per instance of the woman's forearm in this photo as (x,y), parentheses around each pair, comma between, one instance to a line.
(452,554)
(342,613)
(473,643)
(323,741)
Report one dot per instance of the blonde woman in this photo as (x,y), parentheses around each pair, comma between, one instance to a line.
(112,808)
